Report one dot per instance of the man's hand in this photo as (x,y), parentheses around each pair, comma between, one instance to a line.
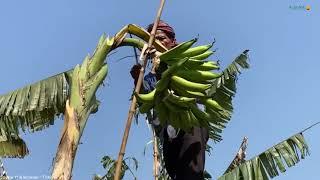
(156,63)
(151,53)
(135,71)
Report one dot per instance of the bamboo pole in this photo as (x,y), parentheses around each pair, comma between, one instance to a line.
(137,90)
(155,155)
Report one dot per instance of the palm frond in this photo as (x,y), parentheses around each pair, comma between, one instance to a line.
(223,90)
(269,163)
(34,106)
(13,147)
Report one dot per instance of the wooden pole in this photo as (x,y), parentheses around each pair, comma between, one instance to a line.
(155,155)
(137,90)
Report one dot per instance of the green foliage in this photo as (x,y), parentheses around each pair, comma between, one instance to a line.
(223,90)
(34,106)
(110,165)
(14,147)
(269,163)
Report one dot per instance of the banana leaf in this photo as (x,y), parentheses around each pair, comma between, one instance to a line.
(223,90)
(269,163)
(14,147)
(34,106)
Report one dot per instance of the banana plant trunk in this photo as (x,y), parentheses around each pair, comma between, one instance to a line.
(84,82)
(68,145)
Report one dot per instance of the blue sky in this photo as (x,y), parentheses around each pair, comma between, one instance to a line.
(276,98)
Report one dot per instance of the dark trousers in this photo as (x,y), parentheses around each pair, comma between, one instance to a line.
(184,155)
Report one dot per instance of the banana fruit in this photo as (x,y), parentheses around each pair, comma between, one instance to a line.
(204,55)
(181,91)
(146,98)
(189,85)
(177,50)
(197,75)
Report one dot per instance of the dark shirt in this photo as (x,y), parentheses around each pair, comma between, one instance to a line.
(149,82)
(184,155)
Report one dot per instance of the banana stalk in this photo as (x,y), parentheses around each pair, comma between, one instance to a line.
(85,80)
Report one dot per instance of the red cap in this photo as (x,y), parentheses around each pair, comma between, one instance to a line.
(164,27)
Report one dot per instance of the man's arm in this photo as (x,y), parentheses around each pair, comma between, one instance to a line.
(150,79)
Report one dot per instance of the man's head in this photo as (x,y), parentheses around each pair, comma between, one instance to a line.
(165,34)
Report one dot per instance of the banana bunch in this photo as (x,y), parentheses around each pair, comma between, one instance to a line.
(183,88)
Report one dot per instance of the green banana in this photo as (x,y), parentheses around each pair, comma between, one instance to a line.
(174,119)
(208,66)
(200,122)
(174,52)
(179,100)
(195,51)
(173,107)
(211,104)
(145,107)
(173,68)
(196,75)
(199,114)
(193,64)
(186,121)
(162,113)
(146,98)
(193,119)
(176,114)
(186,93)
(163,82)
(192,116)
(204,55)
(205,117)
(189,85)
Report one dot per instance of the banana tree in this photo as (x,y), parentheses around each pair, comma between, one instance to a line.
(72,94)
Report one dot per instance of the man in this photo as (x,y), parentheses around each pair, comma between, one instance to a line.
(184,153)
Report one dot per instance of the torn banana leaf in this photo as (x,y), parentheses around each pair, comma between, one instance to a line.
(269,163)
(223,90)
(34,106)
(13,147)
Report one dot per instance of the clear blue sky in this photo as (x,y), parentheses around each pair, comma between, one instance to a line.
(276,98)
